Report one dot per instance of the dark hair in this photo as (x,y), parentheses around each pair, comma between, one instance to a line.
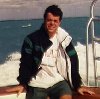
(55,10)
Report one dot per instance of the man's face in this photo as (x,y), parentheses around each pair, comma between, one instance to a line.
(52,23)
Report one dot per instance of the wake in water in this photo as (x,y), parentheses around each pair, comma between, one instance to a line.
(9,70)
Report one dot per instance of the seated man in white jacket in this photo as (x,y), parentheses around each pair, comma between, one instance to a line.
(43,68)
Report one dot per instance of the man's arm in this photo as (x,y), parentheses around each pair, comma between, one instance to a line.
(75,76)
(25,62)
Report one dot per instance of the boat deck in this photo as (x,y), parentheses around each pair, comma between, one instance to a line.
(4,93)
(87,96)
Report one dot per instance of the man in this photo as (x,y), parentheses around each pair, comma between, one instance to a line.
(44,54)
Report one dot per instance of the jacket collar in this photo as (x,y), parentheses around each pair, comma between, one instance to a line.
(44,31)
(44,37)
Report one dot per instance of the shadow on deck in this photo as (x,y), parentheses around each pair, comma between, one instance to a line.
(87,96)
(4,93)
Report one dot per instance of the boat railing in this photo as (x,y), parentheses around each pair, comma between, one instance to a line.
(90,28)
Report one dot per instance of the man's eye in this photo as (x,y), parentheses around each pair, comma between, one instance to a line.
(55,21)
(52,21)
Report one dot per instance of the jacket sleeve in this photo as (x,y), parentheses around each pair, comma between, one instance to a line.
(75,76)
(28,62)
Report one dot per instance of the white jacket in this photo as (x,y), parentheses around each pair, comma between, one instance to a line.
(64,40)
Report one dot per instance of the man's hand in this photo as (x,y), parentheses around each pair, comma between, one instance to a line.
(83,90)
(19,89)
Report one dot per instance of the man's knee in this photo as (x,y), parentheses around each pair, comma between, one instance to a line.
(66,97)
(48,97)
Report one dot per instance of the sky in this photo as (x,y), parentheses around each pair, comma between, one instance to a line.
(29,9)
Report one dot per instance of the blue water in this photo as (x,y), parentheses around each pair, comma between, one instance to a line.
(13,32)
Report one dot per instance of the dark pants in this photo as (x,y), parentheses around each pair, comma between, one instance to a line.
(54,92)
